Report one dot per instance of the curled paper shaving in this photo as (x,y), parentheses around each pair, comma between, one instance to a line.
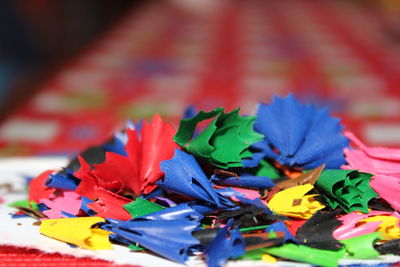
(110,205)
(296,135)
(376,160)
(306,178)
(38,189)
(246,181)
(361,247)
(227,244)
(306,254)
(388,188)
(184,176)
(171,239)
(317,231)
(347,189)
(139,170)
(77,231)
(294,202)
(356,224)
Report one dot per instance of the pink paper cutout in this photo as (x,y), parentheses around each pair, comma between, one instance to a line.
(388,188)
(376,160)
(250,194)
(69,202)
(350,229)
(375,152)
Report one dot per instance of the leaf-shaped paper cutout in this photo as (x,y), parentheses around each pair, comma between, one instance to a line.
(225,140)
(299,133)
(184,176)
(188,126)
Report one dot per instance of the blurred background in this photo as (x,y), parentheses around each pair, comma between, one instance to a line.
(72,72)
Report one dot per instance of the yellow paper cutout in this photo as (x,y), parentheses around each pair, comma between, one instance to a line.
(268,258)
(295,203)
(77,231)
(389,226)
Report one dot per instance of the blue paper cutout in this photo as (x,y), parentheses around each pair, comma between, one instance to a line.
(303,135)
(42,207)
(189,112)
(260,151)
(182,211)
(184,176)
(227,244)
(231,193)
(63,180)
(281,227)
(117,146)
(245,180)
(85,208)
(68,215)
(155,193)
(171,239)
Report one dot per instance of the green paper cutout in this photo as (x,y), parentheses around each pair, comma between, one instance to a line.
(141,207)
(306,254)
(25,204)
(248,229)
(267,169)
(224,142)
(135,248)
(188,126)
(254,255)
(361,247)
(348,189)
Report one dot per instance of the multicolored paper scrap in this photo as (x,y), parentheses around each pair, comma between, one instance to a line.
(226,186)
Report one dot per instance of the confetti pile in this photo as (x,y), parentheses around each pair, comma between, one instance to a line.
(281,185)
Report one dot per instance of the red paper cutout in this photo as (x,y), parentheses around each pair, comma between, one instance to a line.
(139,171)
(99,175)
(294,225)
(110,205)
(146,151)
(38,189)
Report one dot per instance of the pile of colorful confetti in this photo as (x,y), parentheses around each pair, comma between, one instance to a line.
(281,185)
